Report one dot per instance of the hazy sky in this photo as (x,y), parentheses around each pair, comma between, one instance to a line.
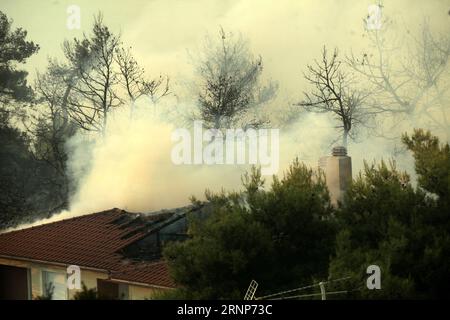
(287,33)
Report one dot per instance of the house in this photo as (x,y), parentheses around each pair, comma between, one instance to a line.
(118,253)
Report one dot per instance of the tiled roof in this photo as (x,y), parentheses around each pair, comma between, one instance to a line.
(145,273)
(94,241)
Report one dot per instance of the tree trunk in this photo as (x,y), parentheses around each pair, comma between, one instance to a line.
(344,138)
(105,122)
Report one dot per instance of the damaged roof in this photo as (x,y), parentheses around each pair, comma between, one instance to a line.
(95,241)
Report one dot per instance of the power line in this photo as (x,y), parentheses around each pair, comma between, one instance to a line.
(310,295)
(300,288)
(284,292)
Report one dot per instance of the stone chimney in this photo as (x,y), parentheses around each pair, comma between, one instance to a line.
(338,173)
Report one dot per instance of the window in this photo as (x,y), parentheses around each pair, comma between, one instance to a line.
(14,283)
(112,290)
(56,282)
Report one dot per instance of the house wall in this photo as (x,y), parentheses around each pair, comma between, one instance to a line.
(141,293)
(88,277)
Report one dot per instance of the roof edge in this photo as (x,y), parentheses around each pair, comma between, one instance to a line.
(54,263)
(143,284)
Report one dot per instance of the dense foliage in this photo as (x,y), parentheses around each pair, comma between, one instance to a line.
(280,237)
(284,237)
(33,177)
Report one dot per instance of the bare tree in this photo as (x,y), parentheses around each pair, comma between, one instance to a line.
(95,92)
(333,92)
(49,129)
(134,81)
(66,75)
(409,82)
(229,86)
(101,75)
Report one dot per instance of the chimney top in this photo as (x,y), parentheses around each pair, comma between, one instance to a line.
(339,151)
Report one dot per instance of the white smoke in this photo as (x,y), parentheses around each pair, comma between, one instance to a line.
(131,166)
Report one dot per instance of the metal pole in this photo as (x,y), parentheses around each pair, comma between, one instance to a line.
(322,290)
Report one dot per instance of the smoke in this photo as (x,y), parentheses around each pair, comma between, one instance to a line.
(131,168)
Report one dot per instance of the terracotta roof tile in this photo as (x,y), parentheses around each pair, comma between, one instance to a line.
(93,240)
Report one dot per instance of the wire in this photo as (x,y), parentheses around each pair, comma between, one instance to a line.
(284,292)
(300,288)
(310,295)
